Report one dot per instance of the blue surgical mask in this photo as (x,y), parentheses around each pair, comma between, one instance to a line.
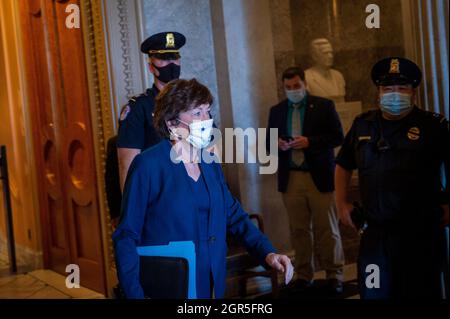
(296,96)
(395,103)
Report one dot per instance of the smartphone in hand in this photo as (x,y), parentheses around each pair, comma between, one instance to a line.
(287,138)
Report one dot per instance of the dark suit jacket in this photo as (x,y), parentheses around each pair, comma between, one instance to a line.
(324,131)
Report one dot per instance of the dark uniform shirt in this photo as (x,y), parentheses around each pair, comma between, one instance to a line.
(399,164)
(136,122)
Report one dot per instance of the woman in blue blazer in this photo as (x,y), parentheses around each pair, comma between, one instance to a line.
(172,195)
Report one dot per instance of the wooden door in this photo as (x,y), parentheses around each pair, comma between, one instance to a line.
(63,142)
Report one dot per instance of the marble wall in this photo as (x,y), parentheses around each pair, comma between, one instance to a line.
(283,40)
(193,19)
(356,47)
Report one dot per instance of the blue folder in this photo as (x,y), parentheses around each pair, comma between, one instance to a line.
(181,249)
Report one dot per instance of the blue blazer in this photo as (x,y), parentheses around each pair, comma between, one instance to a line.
(158,208)
(324,131)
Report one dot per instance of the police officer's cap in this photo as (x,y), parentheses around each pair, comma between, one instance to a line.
(396,71)
(164,45)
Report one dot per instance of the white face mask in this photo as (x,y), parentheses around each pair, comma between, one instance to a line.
(199,133)
(296,96)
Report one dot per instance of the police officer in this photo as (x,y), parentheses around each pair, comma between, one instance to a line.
(399,151)
(136,132)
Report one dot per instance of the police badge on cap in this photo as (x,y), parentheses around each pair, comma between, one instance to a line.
(396,71)
(164,45)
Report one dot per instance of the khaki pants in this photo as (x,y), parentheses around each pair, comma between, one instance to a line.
(313,223)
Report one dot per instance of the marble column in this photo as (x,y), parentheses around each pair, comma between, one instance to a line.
(426,43)
(253,86)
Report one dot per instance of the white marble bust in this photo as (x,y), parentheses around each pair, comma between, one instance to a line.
(321,79)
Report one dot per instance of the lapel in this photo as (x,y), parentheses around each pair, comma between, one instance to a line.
(283,118)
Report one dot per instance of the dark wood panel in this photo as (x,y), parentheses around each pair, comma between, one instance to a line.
(59,103)
(45,128)
(85,219)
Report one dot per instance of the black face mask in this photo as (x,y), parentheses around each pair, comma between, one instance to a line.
(168,73)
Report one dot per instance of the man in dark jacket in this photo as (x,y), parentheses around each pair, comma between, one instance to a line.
(309,129)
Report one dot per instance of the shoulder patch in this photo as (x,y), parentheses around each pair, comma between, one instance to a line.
(436,116)
(440,117)
(444,122)
(124,113)
(431,114)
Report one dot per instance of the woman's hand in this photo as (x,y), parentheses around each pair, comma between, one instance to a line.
(282,263)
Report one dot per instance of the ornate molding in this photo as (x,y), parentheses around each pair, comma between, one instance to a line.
(102,116)
(122,32)
(122,8)
(112,35)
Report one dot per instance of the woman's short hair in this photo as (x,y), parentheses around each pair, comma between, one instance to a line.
(176,97)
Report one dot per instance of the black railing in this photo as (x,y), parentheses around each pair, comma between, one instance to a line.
(8,209)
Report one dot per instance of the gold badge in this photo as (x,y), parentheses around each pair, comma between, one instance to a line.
(414,133)
(170,40)
(395,66)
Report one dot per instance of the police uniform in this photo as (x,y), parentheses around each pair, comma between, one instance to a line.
(136,129)
(399,165)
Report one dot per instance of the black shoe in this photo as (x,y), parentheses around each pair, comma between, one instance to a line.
(335,286)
